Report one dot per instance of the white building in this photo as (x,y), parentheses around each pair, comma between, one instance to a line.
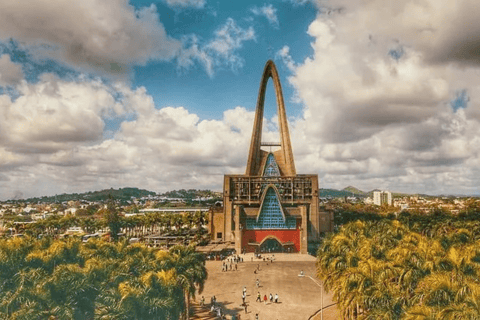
(382,197)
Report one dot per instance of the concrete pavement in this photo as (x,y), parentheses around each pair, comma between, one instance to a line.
(299,297)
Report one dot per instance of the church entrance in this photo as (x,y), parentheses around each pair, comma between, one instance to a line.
(271,245)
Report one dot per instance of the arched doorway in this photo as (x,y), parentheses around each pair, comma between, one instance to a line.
(271,245)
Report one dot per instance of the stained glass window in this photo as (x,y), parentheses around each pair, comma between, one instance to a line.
(270,216)
(271,167)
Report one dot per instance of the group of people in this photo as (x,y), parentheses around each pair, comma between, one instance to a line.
(231,263)
(272,298)
(214,308)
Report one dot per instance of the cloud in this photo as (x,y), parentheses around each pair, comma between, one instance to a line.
(219,51)
(269,12)
(198,4)
(444,31)
(284,55)
(54,115)
(405,121)
(10,73)
(52,141)
(102,36)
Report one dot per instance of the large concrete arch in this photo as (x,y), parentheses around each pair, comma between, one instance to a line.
(284,156)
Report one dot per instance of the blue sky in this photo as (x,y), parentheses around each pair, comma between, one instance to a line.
(226,87)
(161,94)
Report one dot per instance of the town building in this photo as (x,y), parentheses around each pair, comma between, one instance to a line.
(381,198)
(270,208)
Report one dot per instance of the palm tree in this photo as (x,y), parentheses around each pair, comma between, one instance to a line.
(190,269)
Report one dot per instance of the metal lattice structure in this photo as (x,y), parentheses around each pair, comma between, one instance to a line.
(271,168)
(295,189)
(271,216)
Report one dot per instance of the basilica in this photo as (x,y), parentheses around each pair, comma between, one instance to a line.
(270,208)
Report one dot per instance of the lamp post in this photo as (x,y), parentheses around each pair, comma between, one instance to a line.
(321,296)
(321,304)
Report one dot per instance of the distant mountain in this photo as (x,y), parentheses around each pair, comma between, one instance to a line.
(120,194)
(326,193)
(354,190)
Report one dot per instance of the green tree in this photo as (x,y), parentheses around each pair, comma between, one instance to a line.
(112,219)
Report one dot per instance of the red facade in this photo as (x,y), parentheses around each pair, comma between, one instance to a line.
(257,236)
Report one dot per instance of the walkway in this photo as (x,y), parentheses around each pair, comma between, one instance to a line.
(299,297)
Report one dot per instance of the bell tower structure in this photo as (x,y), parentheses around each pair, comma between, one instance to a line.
(270,207)
(257,156)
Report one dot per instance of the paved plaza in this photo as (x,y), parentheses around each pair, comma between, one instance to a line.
(299,297)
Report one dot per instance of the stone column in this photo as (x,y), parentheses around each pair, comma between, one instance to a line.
(304,232)
(238,231)
(227,210)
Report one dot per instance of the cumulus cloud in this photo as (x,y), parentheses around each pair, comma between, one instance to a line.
(269,12)
(221,51)
(284,55)
(186,3)
(103,36)
(54,115)
(10,73)
(388,104)
(52,142)
(444,31)
(407,122)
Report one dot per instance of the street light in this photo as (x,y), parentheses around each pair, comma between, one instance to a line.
(321,294)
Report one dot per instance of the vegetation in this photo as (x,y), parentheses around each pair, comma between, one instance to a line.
(103,195)
(133,226)
(68,279)
(406,267)
(112,220)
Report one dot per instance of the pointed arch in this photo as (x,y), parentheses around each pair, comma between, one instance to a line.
(271,167)
(270,197)
(286,163)
(271,214)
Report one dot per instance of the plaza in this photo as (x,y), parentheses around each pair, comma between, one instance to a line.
(299,296)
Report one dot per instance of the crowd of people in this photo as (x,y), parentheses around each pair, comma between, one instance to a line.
(231,264)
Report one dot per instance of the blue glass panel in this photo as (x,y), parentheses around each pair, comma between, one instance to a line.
(271,167)
(271,215)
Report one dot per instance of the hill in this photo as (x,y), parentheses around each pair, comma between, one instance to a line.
(354,190)
(333,193)
(192,194)
(120,194)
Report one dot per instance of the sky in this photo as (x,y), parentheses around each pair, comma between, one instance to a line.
(161,95)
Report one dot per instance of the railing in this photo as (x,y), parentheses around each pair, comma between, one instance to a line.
(290,189)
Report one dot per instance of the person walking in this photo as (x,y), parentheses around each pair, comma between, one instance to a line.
(257,283)
(202,301)
(256,316)
(259,297)
(271,298)
(276,298)
(265,299)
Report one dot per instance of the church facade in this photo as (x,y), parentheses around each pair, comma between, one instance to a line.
(270,208)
